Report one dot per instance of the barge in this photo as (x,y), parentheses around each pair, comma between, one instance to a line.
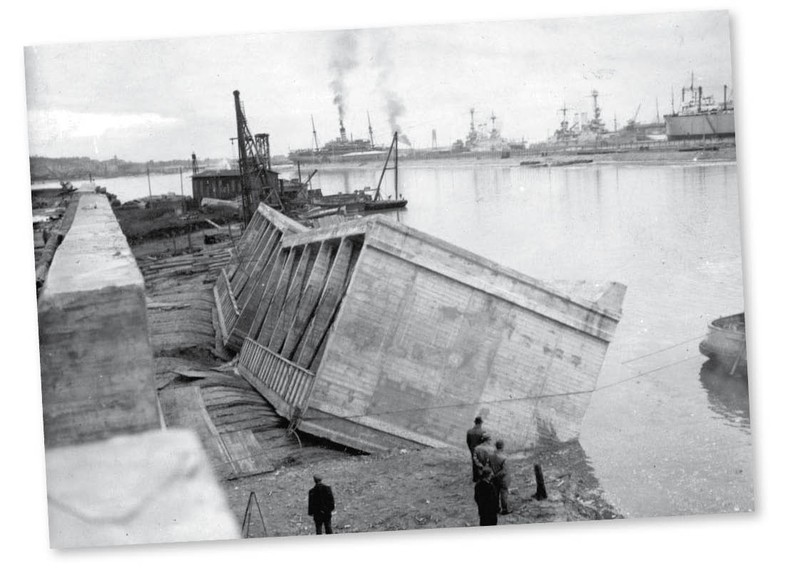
(726,343)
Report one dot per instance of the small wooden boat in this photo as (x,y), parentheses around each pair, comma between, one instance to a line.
(726,343)
(382,204)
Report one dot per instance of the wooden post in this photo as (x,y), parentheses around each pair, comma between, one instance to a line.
(150,192)
(183,204)
(396,165)
(541,490)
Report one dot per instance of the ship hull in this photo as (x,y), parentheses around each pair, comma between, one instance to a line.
(699,126)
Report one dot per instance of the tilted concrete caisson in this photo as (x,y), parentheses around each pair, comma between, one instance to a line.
(378,336)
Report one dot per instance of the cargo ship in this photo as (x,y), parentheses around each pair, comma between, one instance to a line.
(341,149)
(700,117)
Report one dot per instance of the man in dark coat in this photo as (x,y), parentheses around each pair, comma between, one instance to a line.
(500,476)
(486,498)
(483,452)
(321,504)
(474,438)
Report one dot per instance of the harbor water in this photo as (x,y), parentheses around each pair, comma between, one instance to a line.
(665,433)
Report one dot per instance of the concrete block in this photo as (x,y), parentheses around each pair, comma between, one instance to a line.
(154,487)
(96,360)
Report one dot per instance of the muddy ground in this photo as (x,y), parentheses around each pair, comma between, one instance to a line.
(423,489)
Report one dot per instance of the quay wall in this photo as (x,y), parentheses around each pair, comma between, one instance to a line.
(115,475)
(96,359)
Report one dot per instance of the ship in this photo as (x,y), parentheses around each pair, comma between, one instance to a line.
(700,117)
(341,149)
(481,140)
(583,130)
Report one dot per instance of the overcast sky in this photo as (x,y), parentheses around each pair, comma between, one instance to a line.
(164,99)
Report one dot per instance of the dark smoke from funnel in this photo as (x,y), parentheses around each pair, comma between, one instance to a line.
(344,58)
(394,105)
(395,108)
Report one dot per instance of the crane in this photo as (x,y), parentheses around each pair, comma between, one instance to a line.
(254,162)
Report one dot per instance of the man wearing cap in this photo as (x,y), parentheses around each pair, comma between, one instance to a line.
(474,438)
(321,504)
(486,498)
(500,476)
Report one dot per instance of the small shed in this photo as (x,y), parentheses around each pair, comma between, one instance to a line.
(225,184)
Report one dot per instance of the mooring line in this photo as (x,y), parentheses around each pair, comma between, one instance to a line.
(665,349)
(513,399)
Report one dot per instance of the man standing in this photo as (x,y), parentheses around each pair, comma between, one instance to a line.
(500,476)
(486,498)
(483,452)
(474,438)
(321,504)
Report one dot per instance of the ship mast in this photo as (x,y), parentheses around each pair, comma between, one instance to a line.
(371,138)
(564,123)
(314,133)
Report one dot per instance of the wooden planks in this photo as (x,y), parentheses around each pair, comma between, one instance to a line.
(184,408)
(278,298)
(297,284)
(309,299)
(329,300)
(232,454)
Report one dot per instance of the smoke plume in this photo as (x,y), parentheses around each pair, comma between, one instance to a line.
(344,58)
(395,108)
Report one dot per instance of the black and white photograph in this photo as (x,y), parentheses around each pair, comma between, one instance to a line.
(487,275)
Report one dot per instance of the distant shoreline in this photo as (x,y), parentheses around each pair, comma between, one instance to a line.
(646,157)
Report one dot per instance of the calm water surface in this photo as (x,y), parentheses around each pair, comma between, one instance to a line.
(675,438)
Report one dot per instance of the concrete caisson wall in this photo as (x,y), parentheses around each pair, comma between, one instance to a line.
(378,336)
(430,336)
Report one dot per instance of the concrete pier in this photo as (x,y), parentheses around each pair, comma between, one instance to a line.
(96,360)
(114,475)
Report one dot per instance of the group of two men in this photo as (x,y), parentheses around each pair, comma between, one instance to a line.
(490,473)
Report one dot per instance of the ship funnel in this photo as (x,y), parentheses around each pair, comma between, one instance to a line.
(342,135)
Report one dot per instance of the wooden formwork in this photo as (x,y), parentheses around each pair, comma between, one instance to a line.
(239,282)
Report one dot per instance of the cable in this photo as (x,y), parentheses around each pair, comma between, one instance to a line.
(513,399)
(665,349)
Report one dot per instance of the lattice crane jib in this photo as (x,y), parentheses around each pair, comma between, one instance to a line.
(254,163)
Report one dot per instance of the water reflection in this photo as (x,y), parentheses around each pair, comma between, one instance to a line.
(728,395)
